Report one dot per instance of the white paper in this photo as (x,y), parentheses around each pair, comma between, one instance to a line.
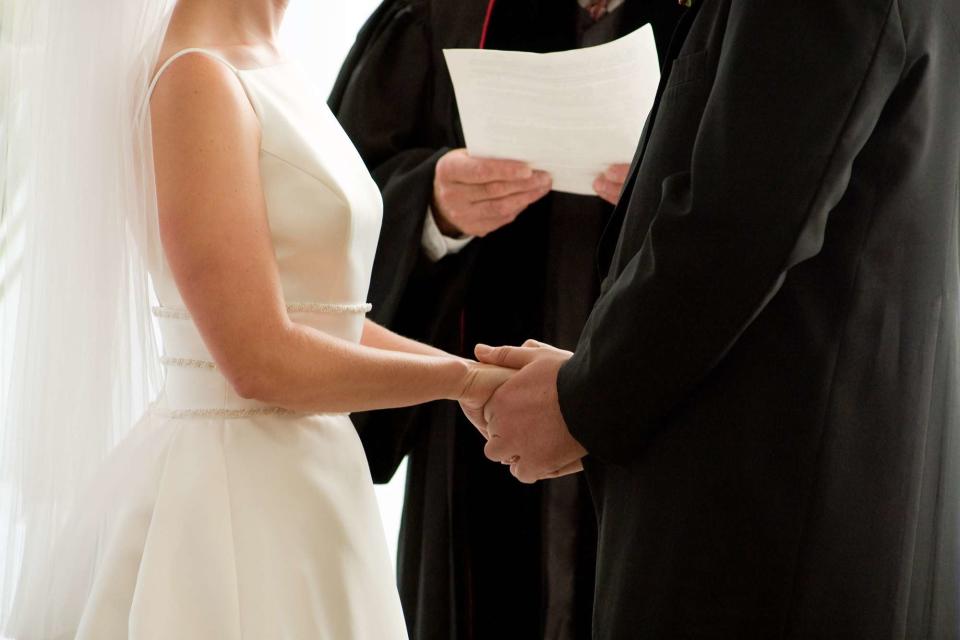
(569,113)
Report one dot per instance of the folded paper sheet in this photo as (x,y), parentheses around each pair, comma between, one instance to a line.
(570,113)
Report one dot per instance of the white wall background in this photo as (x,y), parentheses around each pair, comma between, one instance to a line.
(318,34)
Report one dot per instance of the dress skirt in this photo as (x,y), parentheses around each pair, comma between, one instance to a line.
(199,528)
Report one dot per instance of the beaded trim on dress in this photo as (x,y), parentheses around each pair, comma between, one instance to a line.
(188,362)
(179,414)
(251,412)
(177,313)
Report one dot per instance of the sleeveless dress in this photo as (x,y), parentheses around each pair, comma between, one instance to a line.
(222,518)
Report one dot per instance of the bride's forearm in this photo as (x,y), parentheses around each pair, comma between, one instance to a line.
(308,370)
(379,337)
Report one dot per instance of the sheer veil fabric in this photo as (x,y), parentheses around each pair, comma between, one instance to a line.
(77,172)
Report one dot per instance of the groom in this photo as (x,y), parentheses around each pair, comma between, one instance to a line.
(767,387)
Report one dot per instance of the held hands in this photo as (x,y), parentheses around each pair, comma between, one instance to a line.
(609,184)
(522,420)
(476,196)
(481,382)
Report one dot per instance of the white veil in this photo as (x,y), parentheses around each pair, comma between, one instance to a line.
(76,194)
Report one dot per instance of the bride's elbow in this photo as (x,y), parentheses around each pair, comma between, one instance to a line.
(248,384)
(251,378)
(255,369)
(248,387)
(269,387)
(264,370)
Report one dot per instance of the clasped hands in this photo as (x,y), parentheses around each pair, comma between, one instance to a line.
(521,418)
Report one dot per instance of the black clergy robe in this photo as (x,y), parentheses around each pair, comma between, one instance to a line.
(480,555)
(769,386)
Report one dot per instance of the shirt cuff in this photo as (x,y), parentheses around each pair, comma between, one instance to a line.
(435,244)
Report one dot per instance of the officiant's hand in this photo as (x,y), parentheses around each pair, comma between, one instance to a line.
(476,196)
(609,184)
(481,382)
(523,420)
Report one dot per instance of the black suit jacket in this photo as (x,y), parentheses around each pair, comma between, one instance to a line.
(768,384)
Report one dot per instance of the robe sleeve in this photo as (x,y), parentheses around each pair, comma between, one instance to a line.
(812,76)
(384,99)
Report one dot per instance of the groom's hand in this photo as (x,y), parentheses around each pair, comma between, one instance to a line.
(523,420)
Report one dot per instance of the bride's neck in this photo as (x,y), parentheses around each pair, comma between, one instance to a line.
(234,22)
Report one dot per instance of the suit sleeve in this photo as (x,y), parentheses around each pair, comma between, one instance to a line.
(799,87)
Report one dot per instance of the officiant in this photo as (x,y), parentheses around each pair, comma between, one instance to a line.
(480,555)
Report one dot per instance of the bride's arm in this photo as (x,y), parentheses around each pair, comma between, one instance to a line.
(215,233)
(375,335)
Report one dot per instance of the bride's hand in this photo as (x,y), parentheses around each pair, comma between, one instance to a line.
(482,380)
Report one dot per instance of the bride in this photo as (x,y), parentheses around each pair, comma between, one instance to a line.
(176,141)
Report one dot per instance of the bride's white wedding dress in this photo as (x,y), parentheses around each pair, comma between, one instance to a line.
(220,518)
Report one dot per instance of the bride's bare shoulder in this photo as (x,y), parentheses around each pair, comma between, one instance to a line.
(190,65)
(196,85)
(239,57)
(201,119)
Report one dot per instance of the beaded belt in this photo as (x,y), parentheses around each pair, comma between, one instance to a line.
(180,414)
(177,313)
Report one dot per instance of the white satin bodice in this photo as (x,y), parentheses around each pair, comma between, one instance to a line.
(324,212)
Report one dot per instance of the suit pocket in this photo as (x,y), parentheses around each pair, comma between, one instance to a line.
(687,68)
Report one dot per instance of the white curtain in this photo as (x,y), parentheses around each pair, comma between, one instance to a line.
(11,237)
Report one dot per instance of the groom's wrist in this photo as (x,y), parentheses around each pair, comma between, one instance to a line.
(576,407)
(566,383)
